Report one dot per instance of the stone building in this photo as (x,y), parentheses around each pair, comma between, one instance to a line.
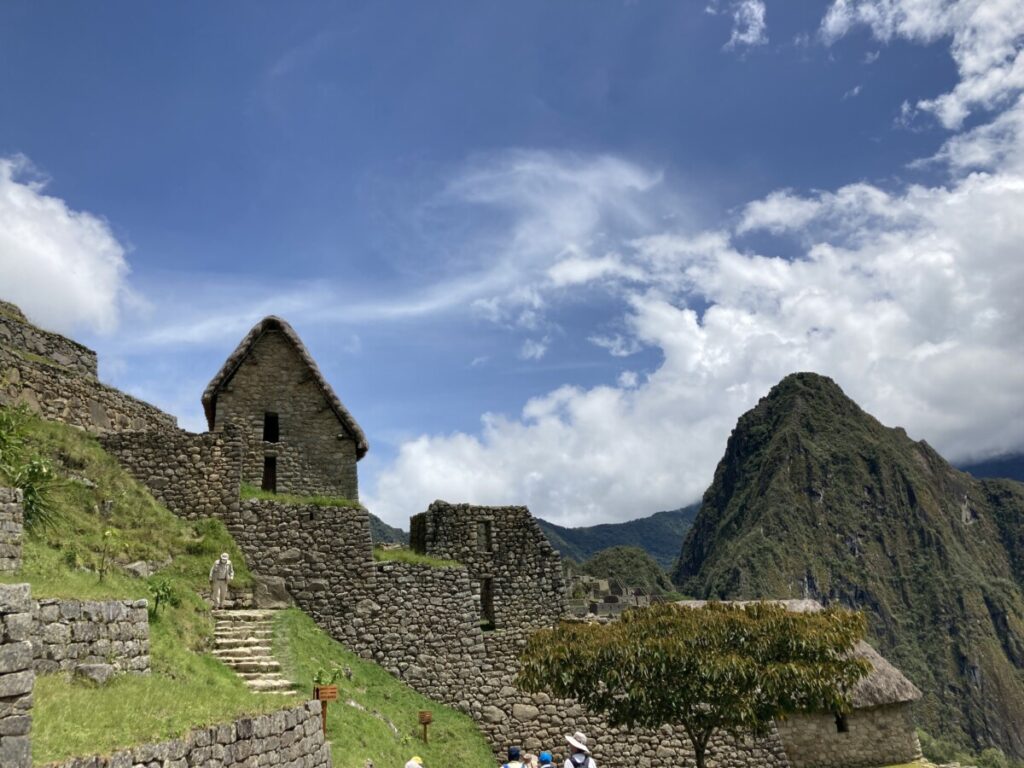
(298,436)
(517,573)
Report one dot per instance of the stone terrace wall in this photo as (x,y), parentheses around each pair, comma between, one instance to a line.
(11,528)
(877,736)
(61,394)
(192,475)
(290,738)
(434,642)
(16,675)
(68,633)
(505,545)
(17,332)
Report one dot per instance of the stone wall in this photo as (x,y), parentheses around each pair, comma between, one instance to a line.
(502,545)
(877,736)
(192,475)
(16,332)
(290,738)
(314,453)
(11,529)
(16,675)
(69,633)
(62,394)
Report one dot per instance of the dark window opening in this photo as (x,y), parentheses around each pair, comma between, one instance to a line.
(271,428)
(487,604)
(269,474)
(484,541)
(841,725)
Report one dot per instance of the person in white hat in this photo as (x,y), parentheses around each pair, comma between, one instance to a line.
(220,574)
(580,756)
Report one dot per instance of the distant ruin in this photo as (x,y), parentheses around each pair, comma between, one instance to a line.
(452,633)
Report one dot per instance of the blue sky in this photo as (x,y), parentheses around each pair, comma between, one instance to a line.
(545,252)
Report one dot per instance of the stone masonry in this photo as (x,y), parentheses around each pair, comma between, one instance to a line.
(290,738)
(879,735)
(16,675)
(272,390)
(192,475)
(11,526)
(67,634)
(56,377)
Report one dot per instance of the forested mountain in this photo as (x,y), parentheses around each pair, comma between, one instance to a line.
(1009,467)
(815,498)
(631,566)
(660,535)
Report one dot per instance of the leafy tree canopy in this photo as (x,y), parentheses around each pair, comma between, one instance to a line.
(720,667)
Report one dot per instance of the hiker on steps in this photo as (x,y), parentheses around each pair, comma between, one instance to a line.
(220,574)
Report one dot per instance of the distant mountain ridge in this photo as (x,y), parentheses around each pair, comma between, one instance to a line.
(815,498)
(660,535)
(1009,467)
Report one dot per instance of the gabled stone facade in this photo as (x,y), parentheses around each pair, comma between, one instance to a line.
(298,437)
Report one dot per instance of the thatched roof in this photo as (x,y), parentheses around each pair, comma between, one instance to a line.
(884,684)
(267,325)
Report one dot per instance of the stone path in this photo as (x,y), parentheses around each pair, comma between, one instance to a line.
(242,641)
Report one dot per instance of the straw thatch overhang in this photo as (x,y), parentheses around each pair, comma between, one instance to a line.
(884,685)
(273,324)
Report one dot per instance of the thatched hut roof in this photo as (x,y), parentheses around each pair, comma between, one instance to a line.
(271,324)
(883,685)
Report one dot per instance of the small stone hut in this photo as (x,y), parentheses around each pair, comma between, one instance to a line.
(878,731)
(298,436)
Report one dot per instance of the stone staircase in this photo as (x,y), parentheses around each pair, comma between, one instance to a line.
(242,640)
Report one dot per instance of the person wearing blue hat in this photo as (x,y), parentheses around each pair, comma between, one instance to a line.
(546,760)
(514,760)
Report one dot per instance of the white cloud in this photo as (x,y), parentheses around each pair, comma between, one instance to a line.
(749,26)
(853,92)
(909,296)
(987,44)
(64,268)
(533,349)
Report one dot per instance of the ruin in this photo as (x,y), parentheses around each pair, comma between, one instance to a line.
(453,633)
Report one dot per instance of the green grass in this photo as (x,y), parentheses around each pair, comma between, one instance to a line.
(252,492)
(412,558)
(32,357)
(357,735)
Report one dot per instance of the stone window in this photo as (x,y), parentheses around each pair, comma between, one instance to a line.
(271,428)
(842,726)
(484,540)
(269,474)
(487,604)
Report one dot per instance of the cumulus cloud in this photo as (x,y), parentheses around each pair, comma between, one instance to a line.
(65,268)
(987,44)
(749,27)
(908,295)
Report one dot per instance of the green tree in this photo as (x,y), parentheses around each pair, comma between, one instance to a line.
(721,667)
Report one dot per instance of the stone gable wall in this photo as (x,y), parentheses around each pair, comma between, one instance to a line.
(315,455)
(192,475)
(877,736)
(505,545)
(16,675)
(11,529)
(69,633)
(18,333)
(290,738)
(61,394)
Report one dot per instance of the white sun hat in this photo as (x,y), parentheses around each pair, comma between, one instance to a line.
(579,741)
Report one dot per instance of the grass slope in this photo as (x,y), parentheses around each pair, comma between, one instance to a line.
(660,535)
(360,733)
(815,498)
(188,687)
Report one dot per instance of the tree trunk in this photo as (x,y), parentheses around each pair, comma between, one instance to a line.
(698,754)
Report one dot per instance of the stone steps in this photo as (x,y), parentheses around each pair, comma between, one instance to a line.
(242,641)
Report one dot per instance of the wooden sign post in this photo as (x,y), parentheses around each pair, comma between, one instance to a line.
(426,718)
(324,694)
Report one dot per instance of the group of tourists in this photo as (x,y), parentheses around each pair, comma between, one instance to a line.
(579,757)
